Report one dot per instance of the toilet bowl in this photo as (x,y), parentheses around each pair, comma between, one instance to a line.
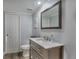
(25,49)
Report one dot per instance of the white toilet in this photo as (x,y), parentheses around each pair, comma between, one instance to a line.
(25,49)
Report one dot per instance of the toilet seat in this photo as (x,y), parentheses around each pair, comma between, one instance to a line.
(25,46)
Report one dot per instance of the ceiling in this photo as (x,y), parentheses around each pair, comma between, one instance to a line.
(20,5)
(28,6)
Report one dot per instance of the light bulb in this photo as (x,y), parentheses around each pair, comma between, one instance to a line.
(38,2)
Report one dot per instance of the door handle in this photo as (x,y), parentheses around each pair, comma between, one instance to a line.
(7,35)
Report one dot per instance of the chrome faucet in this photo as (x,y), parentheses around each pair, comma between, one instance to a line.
(47,38)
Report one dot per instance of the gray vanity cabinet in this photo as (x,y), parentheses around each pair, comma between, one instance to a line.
(38,52)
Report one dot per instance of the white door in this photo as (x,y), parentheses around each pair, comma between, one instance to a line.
(11,33)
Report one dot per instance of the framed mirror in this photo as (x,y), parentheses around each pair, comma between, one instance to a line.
(51,17)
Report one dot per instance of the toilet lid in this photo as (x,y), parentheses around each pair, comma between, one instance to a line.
(25,46)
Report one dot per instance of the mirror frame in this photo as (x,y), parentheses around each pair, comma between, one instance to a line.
(60,16)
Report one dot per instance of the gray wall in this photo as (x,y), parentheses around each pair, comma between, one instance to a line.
(25,28)
(66,35)
(69,24)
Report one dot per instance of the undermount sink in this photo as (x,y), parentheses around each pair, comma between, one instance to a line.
(39,40)
(42,39)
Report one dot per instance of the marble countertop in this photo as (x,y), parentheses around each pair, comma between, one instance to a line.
(46,44)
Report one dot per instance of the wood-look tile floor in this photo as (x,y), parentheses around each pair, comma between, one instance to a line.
(14,56)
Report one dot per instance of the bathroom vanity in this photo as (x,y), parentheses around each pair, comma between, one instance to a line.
(41,49)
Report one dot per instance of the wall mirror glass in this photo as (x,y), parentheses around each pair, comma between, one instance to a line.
(51,17)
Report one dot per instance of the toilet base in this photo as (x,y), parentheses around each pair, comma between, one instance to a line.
(26,53)
(26,57)
(25,49)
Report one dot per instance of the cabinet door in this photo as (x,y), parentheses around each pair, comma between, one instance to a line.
(35,55)
(40,57)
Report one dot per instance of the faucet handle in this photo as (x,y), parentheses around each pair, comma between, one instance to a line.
(45,37)
(51,35)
